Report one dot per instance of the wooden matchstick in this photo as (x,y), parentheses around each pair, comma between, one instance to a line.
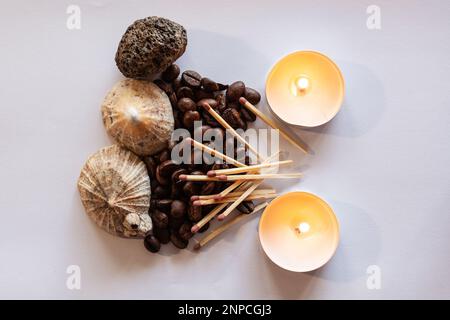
(231,194)
(223,227)
(240,177)
(225,124)
(271,123)
(215,153)
(269,195)
(237,202)
(213,173)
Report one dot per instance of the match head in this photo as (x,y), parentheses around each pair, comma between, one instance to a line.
(242,100)
(205,105)
(197,203)
(194,198)
(220,217)
(182,177)
(217,197)
(211,173)
(222,177)
(195,228)
(197,246)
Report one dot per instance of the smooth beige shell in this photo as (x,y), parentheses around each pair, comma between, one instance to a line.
(115,190)
(138,115)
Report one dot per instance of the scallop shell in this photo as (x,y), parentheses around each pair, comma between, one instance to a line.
(138,115)
(115,190)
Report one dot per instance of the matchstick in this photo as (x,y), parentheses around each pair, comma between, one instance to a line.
(269,195)
(241,198)
(215,153)
(240,177)
(213,173)
(271,123)
(231,194)
(223,227)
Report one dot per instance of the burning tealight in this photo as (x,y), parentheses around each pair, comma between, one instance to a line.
(305,88)
(299,231)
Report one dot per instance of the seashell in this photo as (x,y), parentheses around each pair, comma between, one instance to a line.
(115,190)
(138,115)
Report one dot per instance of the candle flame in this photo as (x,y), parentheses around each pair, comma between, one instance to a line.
(303,227)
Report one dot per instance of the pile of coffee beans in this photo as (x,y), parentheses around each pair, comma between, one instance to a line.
(171,210)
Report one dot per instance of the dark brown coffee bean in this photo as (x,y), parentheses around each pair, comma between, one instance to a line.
(160,219)
(235,91)
(204,228)
(176,84)
(233,105)
(189,118)
(208,188)
(233,118)
(178,209)
(176,174)
(221,102)
(171,73)
(163,235)
(211,102)
(175,223)
(175,192)
(222,86)
(246,207)
(191,78)
(185,92)
(152,244)
(247,115)
(186,104)
(185,231)
(209,85)
(173,99)
(190,188)
(167,167)
(200,131)
(163,181)
(178,242)
(200,94)
(151,166)
(215,135)
(252,95)
(164,86)
(164,156)
(160,192)
(209,119)
(195,213)
(163,205)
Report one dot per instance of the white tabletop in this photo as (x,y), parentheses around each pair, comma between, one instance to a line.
(382,163)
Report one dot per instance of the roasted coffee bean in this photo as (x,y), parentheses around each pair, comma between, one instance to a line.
(195,213)
(175,192)
(160,192)
(167,167)
(221,102)
(176,84)
(152,244)
(189,118)
(191,78)
(235,91)
(164,181)
(185,231)
(176,174)
(200,94)
(200,131)
(164,156)
(246,207)
(186,104)
(151,166)
(160,219)
(163,235)
(178,242)
(233,118)
(215,135)
(164,86)
(252,95)
(209,85)
(234,105)
(208,188)
(153,184)
(175,223)
(247,115)
(185,92)
(209,119)
(178,209)
(171,73)
(204,228)
(191,188)
(173,99)
(163,205)
(222,86)
(211,102)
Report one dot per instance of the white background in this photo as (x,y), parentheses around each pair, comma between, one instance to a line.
(383,163)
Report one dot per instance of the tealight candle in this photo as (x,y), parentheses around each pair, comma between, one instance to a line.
(299,231)
(305,88)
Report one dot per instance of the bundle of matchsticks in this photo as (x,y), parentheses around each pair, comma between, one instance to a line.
(246,178)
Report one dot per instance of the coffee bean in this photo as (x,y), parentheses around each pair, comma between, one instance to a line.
(246,207)
(208,188)
(209,85)
(163,205)
(189,118)
(163,181)
(176,84)
(178,242)
(164,86)
(195,213)
(152,244)
(175,223)
(163,235)
(176,174)
(160,219)
(167,167)
(235,91)
(247,115)
(252,95)
(185,92)
(221,102)
(200,94)
(233,118)
(186,104)
(173,99)
(151,166)
(211,102)
(191,78)
(185,231)
(215,135)
(190,188)
(222,86)
(164,156)
(178,209)
(209,119)
(200,131)
(171,73)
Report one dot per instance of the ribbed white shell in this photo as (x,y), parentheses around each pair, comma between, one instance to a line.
(113,183)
